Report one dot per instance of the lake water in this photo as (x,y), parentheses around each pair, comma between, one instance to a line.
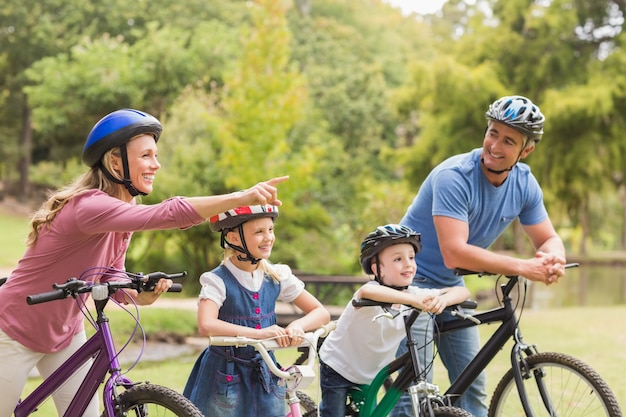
(591,285)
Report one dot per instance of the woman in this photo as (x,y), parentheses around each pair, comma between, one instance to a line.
(85,225)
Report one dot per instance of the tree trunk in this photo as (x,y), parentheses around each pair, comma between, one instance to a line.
(584,223)
(26,146)
(622,198)
(521,241)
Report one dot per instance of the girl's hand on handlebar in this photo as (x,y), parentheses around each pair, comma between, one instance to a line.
(277,333)
(295,334)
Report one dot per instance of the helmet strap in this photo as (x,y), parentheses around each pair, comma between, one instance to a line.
(243,248)
(380,281)
(127,181)
(493,171)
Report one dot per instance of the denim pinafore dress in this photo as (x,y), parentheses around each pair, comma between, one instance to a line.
(228,381)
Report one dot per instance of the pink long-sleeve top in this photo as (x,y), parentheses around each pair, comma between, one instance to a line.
(92,230)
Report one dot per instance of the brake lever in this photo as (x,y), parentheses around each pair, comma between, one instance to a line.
(388,313)
(460,313)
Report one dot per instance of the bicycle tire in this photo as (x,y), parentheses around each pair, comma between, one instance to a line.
(154,400)
(451,412)
(307,405)
(574,388)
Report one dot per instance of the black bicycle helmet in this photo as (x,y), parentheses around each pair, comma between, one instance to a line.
(234,219)
(519,113)
(116,130)
(383,237)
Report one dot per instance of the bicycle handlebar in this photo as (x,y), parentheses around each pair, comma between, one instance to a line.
(304,372)
(366,302)
(461,271)
(136,281)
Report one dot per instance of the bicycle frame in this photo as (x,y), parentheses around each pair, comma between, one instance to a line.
(410,377)
(295,376)
(505,314)
(100,347)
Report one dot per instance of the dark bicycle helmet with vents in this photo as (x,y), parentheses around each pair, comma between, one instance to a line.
(383,237)
(519,113)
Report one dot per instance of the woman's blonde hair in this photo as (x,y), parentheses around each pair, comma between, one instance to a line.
(264,265)
(90,180)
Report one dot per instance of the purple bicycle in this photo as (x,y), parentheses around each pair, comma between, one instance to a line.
(121,397)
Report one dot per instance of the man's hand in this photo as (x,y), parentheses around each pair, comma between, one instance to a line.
(553,267)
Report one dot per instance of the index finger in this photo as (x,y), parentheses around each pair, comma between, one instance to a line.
(277,180)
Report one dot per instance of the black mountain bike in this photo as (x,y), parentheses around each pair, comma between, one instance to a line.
(538,383)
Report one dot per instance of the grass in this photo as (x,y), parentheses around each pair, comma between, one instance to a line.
(586,333)
(14,230)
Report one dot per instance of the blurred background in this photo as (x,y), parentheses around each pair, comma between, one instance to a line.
(356,100)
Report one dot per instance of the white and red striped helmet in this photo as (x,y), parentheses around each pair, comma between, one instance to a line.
(232,218)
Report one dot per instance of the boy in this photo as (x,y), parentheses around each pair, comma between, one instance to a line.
(360,346)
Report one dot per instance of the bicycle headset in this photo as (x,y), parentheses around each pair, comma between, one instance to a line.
(381,238)
(521,114)
(234,219)
(116,130)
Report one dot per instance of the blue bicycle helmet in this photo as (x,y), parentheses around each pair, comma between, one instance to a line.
(519,113)
(116,130)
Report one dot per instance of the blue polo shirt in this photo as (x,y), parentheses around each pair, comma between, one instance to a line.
(458,188)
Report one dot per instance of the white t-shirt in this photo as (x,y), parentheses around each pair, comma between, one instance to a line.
(213,287)
(359,347)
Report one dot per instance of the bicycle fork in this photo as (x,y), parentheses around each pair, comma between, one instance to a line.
(294,406)
(423,395)
(522,371)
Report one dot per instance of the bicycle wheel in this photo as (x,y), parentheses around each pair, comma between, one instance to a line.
(154,400)
(307,405)
(573,388)
(451,412)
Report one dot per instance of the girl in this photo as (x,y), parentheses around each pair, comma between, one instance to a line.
(238,298)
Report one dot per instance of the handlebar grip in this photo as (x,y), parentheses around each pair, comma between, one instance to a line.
(176,287)
(366,302)
(469,304)
(45,297)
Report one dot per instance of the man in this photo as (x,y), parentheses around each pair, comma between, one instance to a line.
(462,207)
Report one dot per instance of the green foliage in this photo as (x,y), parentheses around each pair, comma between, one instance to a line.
(443,108)
(155,321)
(354,101)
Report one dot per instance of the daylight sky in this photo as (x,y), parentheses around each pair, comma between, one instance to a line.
(421,6)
